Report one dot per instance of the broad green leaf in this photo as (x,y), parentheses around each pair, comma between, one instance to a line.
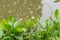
(11,21)
(28,23)
(56,13)
(36,19)
(7,38)
(3,22)
(8,27)
(1,32)
(48,25)
(19,37)
(17,23)
(20,29)
(55,27)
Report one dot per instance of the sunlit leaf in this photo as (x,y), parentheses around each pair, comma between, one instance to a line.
(56,14)
(20,29)
(1,32)
(26,24)
(17,23)
(11,21)
(3,22)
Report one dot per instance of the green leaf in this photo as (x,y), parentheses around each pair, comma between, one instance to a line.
(20,37)
(26,24)
(36,19)
(1,32)
(56,13)
(8,27)
(20,29)
(3,22)
(48,25)
(7,38)
(16,24)
(55,26)
(11,21)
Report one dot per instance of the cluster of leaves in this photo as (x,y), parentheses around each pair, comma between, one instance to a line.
(30,29)
(17,30)
(51,28)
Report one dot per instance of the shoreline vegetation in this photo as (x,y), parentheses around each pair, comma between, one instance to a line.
(30,29)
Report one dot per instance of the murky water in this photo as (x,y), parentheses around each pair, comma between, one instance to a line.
(57,0)
(20,8)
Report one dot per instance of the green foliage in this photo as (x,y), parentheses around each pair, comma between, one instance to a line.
(56,13)
(31,29)
(16,30)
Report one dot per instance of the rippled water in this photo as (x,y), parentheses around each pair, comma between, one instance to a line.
(20,8)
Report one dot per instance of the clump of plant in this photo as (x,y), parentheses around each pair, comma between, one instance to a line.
(17,30)
(51,28)
(31,29)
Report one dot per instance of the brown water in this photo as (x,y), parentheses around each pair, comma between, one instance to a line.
(57,1)
(20,8)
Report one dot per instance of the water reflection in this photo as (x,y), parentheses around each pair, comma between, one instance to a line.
(48,9)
